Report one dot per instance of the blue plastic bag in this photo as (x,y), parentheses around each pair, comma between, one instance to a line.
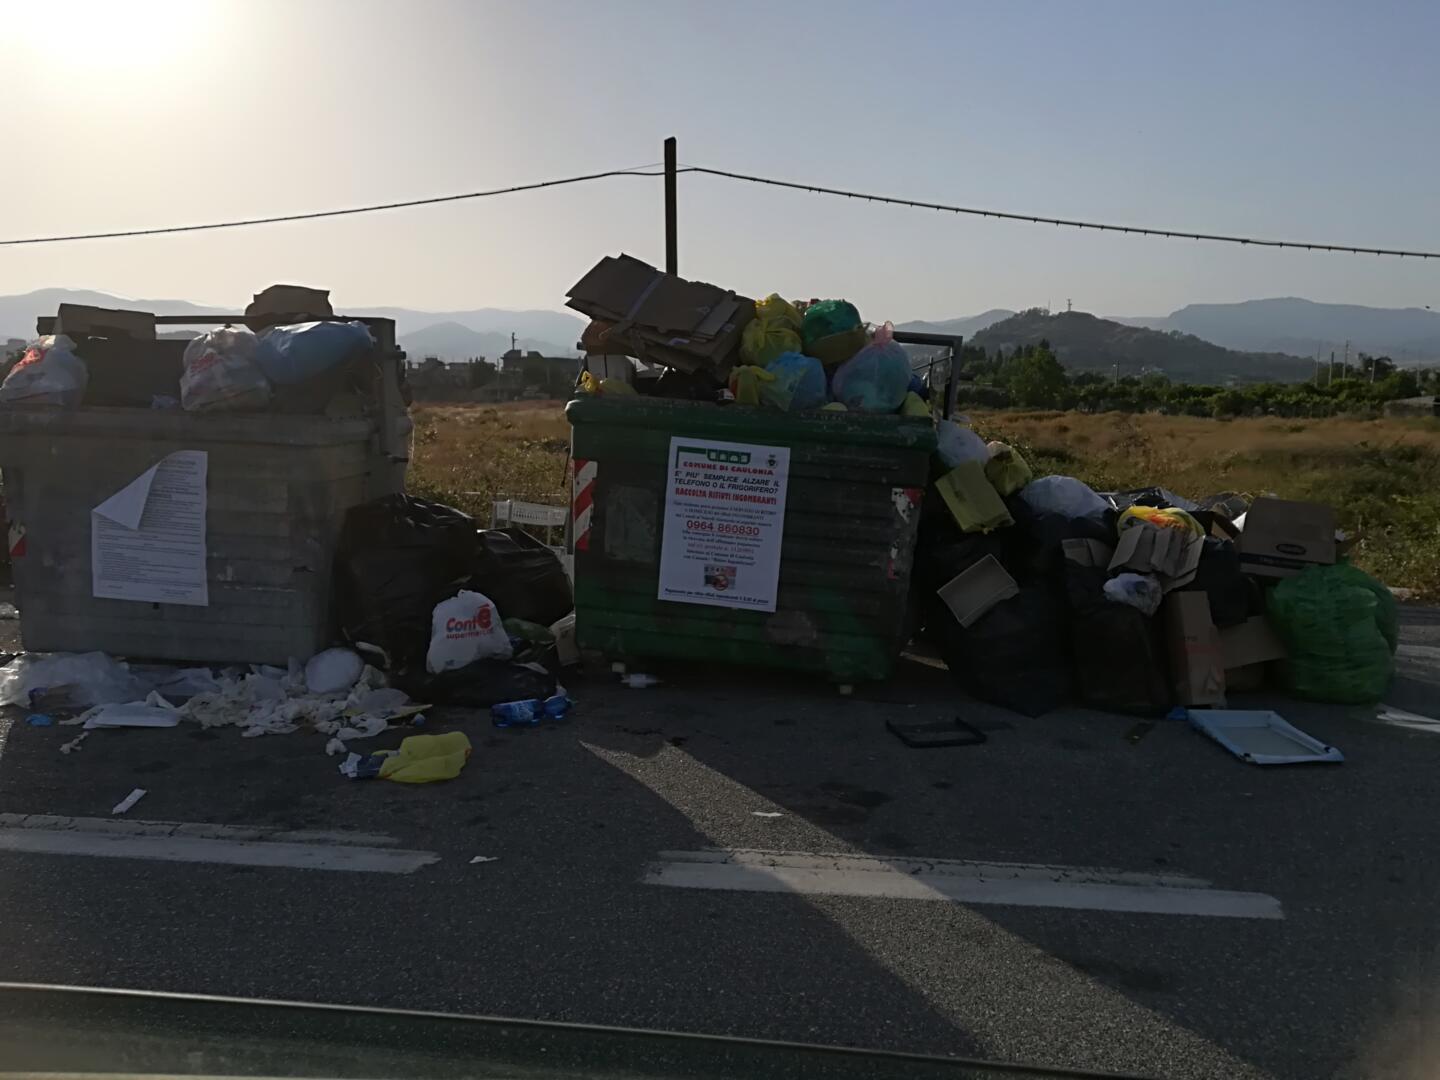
(875,379)
(296,354)
(799,383)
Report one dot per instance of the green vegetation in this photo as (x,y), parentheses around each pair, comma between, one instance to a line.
(1033,377)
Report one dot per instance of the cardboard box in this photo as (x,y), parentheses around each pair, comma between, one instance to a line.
(1252,642)
(1282,537)
(82,319)
(1197,668)
(1170,555)
(1095,553)
(977,589)
(663,319)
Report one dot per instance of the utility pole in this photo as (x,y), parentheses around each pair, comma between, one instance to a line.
(1068,306)
(672,245)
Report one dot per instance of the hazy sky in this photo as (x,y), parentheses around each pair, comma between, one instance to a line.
(1307,119)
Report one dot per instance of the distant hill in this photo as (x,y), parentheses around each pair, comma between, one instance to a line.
(452,341)
(965,327)
(1084,342)
(1292,325)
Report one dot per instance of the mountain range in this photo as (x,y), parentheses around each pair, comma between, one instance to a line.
(1274,338)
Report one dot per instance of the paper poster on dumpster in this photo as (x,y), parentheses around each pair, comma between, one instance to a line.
(724,521)
(147,541)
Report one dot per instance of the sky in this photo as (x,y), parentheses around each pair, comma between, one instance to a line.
(1306,120)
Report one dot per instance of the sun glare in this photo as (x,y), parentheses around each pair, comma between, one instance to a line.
(97,36)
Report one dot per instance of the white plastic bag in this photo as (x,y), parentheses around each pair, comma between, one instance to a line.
(957,444)
(48,374)
(221,372)
(78,679)
(333,670)
(1064,496)
(464,629)
(1138,590)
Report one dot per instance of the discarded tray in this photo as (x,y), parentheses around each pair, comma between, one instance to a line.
(933,734)
(1262,737)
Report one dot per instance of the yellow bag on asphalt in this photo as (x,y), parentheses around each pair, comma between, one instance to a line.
(423,759)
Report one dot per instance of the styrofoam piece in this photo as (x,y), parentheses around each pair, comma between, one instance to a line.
(1262,737)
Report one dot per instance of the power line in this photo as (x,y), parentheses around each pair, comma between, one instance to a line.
(1038,219)
(311,216)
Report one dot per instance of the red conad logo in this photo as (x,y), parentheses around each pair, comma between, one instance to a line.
(481,621)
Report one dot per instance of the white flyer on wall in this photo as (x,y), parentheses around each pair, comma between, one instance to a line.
(724,522)
(147,541)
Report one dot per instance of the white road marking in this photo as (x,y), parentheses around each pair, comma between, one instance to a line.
(231,845)
(956,880)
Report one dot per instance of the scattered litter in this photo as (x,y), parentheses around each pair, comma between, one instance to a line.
(1138,590)
(532,710)
(766,813)
(335,746)
(129,801)
(39,720)
(1261,737)
(1388,714)
(484,859)
(154,711)
(74,744)
(640,681)
(9,611)
(363,727)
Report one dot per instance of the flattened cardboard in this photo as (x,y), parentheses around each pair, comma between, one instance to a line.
(1095,553)
(1252,642)
(1197,667)
(977,589)
(661,318)
(1171,555)
(1282,537)
(82,319)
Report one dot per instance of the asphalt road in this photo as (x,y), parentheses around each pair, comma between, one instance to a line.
(563,924)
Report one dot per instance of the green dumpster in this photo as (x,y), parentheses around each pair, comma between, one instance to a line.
(820,587)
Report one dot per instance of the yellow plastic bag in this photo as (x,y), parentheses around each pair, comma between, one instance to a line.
(1165,519)
(774,331)
(971,499)
(616,388)
(588,383)
(745,382)
(1006,469)
(423,759)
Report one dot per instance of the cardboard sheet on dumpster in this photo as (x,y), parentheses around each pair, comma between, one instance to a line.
(724,521)
(147,541)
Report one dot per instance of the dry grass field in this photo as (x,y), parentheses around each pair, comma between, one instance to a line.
(1382,476)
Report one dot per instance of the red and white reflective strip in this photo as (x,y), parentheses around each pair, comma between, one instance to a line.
(582,501)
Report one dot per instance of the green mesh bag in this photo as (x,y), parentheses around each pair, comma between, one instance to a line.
(1341,627)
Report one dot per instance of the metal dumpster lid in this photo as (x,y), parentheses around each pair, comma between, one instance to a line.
(745,423)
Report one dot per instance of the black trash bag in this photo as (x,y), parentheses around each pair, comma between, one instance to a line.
(478,685)
(1233,596)
(397,558)
(1033,545)
(1119,663)
(523,578)
(1015,655)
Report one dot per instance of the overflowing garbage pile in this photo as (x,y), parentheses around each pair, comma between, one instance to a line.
(1042,592)
(716,346)
(1037,591)
(289,355)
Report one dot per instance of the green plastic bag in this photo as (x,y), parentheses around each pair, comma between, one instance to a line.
(1341,627)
